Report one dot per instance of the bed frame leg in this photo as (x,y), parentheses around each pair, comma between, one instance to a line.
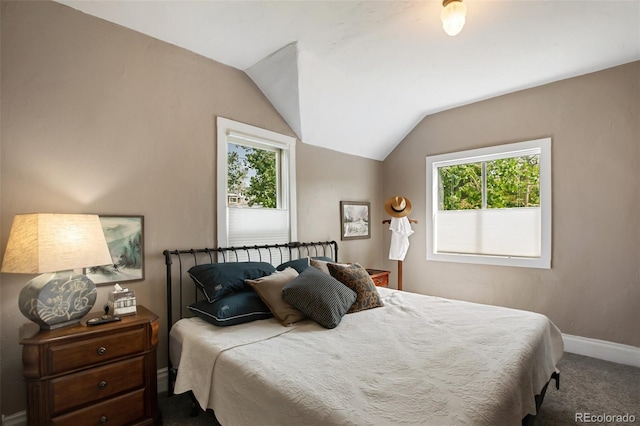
(195,407)
(556,376)
(172,381)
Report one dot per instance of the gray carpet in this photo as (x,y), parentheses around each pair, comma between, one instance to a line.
(587,385)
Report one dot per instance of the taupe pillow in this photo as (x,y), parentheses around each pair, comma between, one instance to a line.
(357,279)
(322,265)
(269,289)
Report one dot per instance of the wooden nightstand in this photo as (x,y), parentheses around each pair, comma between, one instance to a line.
(103,374)
(379,277)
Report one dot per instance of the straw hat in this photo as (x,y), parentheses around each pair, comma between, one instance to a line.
(398,206)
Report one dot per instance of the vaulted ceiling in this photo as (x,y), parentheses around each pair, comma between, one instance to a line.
(357,76)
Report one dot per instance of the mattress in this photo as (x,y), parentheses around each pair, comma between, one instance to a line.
(417,360)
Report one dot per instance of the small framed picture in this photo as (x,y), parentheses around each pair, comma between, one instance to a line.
(125,238)
(354,220)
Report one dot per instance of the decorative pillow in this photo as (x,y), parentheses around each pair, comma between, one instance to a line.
(357,279)
(217,280)
(319,296)
(235,309)
(323,258)
(270,291)
(321,264)
(297,264)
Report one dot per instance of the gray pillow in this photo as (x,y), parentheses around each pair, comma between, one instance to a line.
(319,296)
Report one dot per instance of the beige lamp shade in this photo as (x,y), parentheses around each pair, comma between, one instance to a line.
(55,242)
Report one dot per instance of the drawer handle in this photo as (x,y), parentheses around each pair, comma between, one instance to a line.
(103,420)
(102,350)
(102,385)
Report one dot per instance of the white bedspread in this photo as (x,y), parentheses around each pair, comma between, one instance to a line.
(417,360)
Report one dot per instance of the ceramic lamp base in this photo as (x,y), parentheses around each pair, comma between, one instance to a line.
(58,299)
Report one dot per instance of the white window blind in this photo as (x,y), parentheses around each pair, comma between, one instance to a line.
(493,232)
(248,226)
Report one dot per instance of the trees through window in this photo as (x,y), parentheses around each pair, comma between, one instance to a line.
(252,176)
(501,183)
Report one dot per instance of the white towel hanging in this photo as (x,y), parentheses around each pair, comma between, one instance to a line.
(400,231)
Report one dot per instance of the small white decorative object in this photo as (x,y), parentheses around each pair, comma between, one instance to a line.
(122,301)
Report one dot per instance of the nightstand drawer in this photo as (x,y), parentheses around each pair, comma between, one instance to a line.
(381,281)
(380,277)
(123,410)
(91,351)
(78,389)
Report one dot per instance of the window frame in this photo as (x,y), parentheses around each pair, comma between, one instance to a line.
(261,139)
(487,154)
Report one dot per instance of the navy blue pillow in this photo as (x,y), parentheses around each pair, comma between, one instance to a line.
(298,264)
(235,309)
(319,296)
(217,280)
(302,263)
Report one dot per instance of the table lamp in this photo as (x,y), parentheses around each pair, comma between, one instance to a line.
(53,245)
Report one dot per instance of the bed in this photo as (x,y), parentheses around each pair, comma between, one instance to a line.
(411,359)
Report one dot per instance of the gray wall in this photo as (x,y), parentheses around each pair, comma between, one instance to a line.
(320,190)
(593,287)
(100,119)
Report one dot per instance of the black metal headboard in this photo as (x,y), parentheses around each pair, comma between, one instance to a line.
(271,253)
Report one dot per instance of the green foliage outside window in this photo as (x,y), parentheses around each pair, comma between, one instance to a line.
(236,173)
(263,186)
(461,186)
(513,182)
(510,182)
(252,177)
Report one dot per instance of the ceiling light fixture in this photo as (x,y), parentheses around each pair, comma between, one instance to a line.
(453,16)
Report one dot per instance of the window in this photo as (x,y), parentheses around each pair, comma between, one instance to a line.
(256,185)
(491,205)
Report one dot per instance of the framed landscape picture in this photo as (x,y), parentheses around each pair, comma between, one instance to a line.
(125,238)
(354,220)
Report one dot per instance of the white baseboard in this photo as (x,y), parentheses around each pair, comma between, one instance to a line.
(602,349)
(163,380)
(17,419)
